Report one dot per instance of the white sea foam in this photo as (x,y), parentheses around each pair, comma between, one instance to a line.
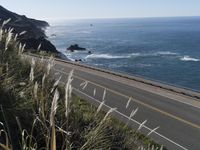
(68,56)
(159,53)
(188,58)
(107,56)
(165,53)
(135,54)
(144,65)
(110,56)
(71,59)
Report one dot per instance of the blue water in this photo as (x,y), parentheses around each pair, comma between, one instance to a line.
(164,49)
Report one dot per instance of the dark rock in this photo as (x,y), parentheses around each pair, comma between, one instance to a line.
(89,52)
(46,45)
(75,47)
(78,60)
(53,35)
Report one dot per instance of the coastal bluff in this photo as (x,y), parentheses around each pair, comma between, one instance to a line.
(35,30)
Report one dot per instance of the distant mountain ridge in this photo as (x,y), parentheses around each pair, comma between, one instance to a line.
(5,14)
(22,23)
(34,30)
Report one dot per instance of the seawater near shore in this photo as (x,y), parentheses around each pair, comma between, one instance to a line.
(164,49)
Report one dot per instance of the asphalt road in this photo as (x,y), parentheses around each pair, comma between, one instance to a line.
(177,115)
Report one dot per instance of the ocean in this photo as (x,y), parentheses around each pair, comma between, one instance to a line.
(161,49)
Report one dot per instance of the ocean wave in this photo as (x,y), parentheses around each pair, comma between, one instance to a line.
(69,56)
(155,54)
(71,59)
(107,56)
(188,58)
(135,54)
(110,56)
(84,56)
(165,53)
(144,65)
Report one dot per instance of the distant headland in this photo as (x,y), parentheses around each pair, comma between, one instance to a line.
(34,30)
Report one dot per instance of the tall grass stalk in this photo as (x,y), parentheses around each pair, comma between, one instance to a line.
(82,84)
(31,75)
(23,47)
(39,46)
(56,84)
(6,22)
(36,90)
(20,48)
(100,107)
(128,102)
(52,119)
(153,130)
(108,113)
(1,34)
(142,125)
(94,92)
(68,90)
(8,38)
(64,121)
(51,63)
(22,33)
(132,114)
(85,85)
(15,37)
(54,106)
(43,81)
(8,141)
(104,95)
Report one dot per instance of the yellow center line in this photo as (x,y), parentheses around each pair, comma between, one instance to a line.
(139,102)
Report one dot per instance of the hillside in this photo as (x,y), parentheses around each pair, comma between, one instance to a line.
(36,112)
(34,30)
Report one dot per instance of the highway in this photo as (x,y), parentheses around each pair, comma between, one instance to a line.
(174,110)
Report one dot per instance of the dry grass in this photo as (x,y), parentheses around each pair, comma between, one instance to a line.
(36,113)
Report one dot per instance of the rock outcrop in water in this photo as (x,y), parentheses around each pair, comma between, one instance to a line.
(34,35)
(76,47)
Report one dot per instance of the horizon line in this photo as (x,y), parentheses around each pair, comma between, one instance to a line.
(91,18)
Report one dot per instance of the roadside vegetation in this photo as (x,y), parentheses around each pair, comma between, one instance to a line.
(38,113)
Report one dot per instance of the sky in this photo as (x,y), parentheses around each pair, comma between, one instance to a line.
(75,9)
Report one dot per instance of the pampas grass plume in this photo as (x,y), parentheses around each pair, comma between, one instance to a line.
(68,90)
(54,106)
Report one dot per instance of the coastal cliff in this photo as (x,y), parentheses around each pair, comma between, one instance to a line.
(35,34)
